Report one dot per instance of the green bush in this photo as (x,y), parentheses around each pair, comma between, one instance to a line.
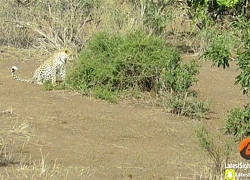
(154,16)
(217,9)
(237,123)
(219,50)
(130,63)
(219,152)
(181,76)
(190,107)
(244,77)
(243,56)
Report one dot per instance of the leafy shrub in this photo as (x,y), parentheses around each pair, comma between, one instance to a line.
(218,152)
(154,17)
(134,62)
(181,77)
(190,107)
(244,77)
(237,123)
(105,95)
(154,14)
(219,51)
(241,26)
(217,9)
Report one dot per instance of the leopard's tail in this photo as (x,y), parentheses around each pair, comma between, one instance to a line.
(13,73)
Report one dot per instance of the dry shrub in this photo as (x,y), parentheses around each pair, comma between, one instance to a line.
(48,24)
(71,23)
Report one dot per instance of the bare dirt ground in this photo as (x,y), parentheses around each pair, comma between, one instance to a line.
(76,137)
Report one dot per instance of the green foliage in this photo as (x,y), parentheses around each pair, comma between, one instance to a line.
(237,123)
(217,9)
(206,141)
(243,56)
(154,16)
(219,51)
(219,152)
(130,63)
(189,106)
(242,29)
(205,14)
(227,3)
(201,12)
(48,86)
(181,76)
(244,77)
(105,95)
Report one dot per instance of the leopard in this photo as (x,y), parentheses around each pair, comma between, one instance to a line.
(48,70)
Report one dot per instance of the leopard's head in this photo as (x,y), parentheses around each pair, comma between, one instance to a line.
(67,54)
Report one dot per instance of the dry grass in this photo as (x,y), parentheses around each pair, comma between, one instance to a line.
(43,170)
(53,25)
(13,140)
(16,163)
(46,25)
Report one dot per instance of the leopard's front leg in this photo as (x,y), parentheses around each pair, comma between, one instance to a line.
(63,72)
(53,77)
